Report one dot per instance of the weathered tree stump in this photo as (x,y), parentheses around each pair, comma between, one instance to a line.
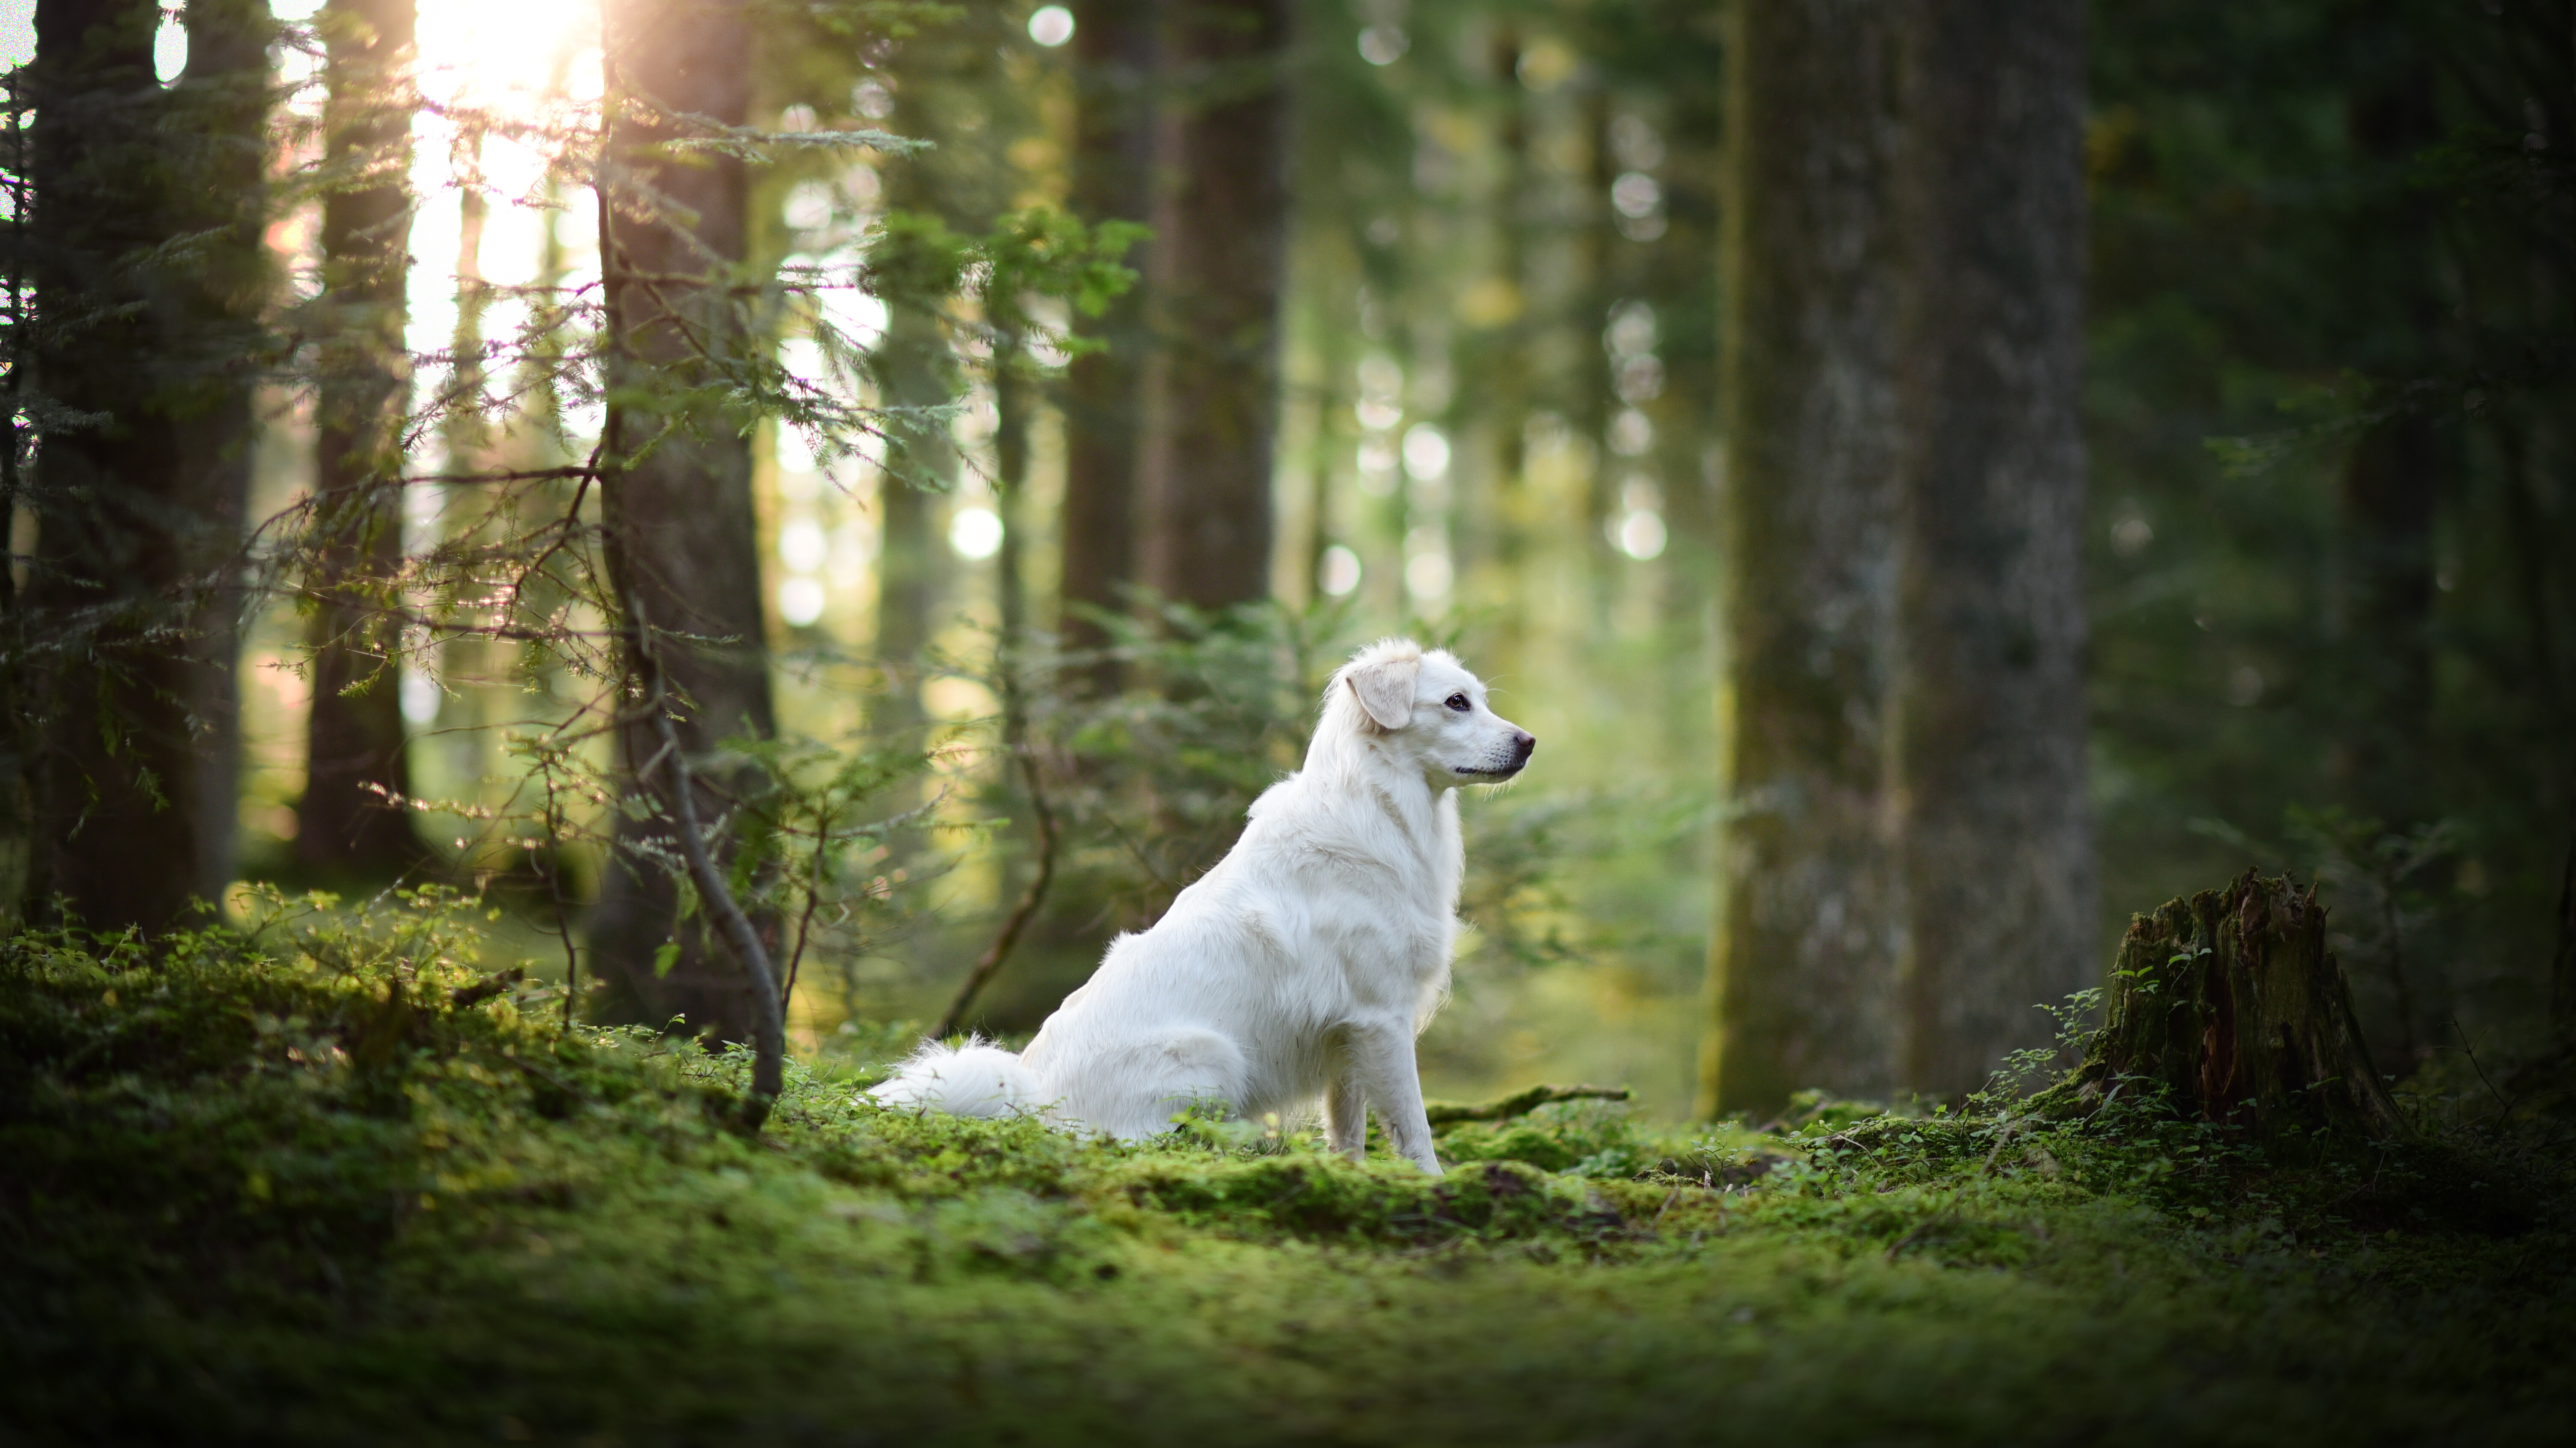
(2231,1002)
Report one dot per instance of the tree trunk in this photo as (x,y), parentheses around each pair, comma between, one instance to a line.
(2231,1004)
(684,537)
(2383,579)
(915,368)
(18,724)
(1489,484)
(1013,401)
(1596,399)
(1997,841)
(1102,393)
(2562,958)
(133,588)
(355,754)
(225,97)
(1804,953)
(1218,265)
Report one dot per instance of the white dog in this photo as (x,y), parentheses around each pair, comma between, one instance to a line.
(1304,964)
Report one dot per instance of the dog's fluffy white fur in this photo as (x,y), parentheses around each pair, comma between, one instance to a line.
(1303,965)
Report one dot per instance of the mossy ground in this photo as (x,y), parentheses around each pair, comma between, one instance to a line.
(297,1192)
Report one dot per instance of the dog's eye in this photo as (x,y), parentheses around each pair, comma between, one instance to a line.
(1459,703)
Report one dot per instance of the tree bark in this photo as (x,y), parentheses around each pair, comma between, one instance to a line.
(224,96)
(916,368)
(1102,393)
(2231,1003)
(2562,956)
(2383,581)
(1217,269)
(354,755)
(1810,927)
(139,499)
(684,537)
(1997,841)
(1597,400)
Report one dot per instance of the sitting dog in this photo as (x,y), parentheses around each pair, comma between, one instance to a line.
(1304,964)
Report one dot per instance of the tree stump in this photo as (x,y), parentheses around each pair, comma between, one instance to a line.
(2232,1004)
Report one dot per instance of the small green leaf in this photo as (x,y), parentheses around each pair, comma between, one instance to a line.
(665,956)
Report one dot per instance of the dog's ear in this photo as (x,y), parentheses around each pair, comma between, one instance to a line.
(1385,690)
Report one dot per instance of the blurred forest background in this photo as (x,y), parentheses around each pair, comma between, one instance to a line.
(1936,480)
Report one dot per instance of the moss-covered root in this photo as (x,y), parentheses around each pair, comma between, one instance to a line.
(2231,1002)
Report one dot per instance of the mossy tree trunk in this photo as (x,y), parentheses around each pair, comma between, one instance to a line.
(2231,1003)
(1810,923)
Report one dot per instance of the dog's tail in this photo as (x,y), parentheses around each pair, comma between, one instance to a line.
(975,1079)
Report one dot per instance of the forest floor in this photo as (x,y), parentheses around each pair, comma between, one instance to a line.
(325,1188)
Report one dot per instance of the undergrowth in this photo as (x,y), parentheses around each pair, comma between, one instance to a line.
(334,1181)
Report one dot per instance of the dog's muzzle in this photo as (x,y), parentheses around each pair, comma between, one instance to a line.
(1523,743)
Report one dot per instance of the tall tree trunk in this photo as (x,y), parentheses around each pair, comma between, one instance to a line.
(683,532)
(224,97)
(1810,927)
(1102,393)
(18,727)
(1218,265)
(139,503)
(1997,836)
(2384,574)
(917,369)
(355,754)
(1596,398)
(1012,403)
(2382,593)
(1490,500)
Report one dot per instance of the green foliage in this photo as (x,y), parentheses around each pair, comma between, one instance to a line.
(809,837)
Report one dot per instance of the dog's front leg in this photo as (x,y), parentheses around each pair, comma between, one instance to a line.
(1346,1111)
(1384,1058)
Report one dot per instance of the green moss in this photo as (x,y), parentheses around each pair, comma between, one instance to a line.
(1325,1198)
(293,1192)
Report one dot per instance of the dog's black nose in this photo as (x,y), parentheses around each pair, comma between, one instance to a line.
(1522,744)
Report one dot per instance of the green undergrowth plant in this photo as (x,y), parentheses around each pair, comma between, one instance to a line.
(342,1178)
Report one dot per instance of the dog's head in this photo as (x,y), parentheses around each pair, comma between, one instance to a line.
(1423,709)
